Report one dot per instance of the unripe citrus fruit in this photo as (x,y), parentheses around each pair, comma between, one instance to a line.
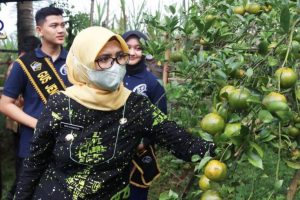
(239,10)
(204,183)
(212,123)
(286,76)
(238,98)
(215,170)
(176,57)
(210,195)
(210,18)
(232,129)
(293,131)
(275,102)
(253,8)
(273,97)
(226,91)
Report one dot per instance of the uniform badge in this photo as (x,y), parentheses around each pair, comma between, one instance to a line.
(36,66)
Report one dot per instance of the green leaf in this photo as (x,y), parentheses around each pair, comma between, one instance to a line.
(263,48)
(297,94)
(196,158)
(205,136)
(172,9)
(278,184)
(220,73)
(249,72)
(254,99)
(294,165)
(258,149)
(284,115)
(234,118)
(272,62)
(198,23)
(285,18)
(265,116)
(168,195)
(254,159)
(297,125)
(202,163)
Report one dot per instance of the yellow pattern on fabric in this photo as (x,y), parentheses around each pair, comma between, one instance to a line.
(80,187)
(158,116)
(56,116)
(92,150)
(123,194)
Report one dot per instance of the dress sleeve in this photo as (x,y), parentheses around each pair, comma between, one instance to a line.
(40,153)
(179,142)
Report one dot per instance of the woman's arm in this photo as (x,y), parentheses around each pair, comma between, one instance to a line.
(179,142)
(40,154)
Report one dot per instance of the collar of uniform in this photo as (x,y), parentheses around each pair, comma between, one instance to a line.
(40,54)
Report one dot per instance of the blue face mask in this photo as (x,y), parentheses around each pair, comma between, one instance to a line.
(108,79)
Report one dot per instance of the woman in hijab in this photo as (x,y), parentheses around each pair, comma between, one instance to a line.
(143,82)
(87,135)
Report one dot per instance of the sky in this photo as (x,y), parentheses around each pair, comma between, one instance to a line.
(8,13)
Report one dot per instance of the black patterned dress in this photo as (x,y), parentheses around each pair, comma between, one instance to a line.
(79,153)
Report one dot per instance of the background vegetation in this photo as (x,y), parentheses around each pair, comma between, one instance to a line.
(209,45)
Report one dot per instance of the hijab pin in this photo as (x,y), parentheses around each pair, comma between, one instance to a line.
(69,137)
(122,121)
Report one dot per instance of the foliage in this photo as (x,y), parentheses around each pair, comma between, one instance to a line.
(221,48)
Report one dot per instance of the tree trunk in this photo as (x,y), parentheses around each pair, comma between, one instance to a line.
(92,13)
(25,20)
(293,186)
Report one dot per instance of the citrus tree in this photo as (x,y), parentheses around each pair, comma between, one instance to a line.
(234,66)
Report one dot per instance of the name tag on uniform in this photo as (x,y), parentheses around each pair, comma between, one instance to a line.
(72,127)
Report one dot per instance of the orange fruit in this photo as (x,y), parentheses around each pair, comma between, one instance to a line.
(238,98)
(239,73)
(293,131)
(273,97)
(286,76)
(210,195)
(204,183)
(253,8)
(212,123)
(232,129)
(215,170)
(275,101)
(225,91)
(210,18)
(239,10)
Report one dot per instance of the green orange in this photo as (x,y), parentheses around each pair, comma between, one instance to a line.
(287,77)
(204,183)
(226,91)
(238,98)
(215,170)
(212,123)
(210,195)
(239,10)
(275,101)
(253,8)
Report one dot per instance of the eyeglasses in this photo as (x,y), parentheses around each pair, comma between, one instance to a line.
(106,61)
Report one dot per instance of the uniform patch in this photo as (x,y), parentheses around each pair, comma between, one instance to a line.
(140,89)
(36,66)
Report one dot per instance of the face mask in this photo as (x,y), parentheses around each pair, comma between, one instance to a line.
(108,79)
